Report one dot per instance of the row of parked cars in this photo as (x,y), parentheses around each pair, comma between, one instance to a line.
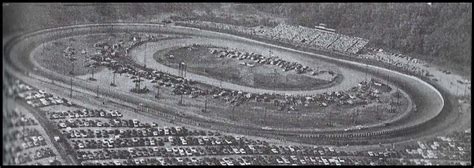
(19,87)
(272,60)
(106,143)
(243,160)
(74,123)
(43,153)
(84,113)
(241,155)
(16,134)
(19,120)
(364,93)
(40,98)
(168,161)
(49,101)
(35,155)
(455,146)
(33,141)
(35,97)
(23,143)
(124,133)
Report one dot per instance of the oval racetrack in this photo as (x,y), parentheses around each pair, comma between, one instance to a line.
(428,100)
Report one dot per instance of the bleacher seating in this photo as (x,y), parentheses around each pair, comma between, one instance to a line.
(300,35)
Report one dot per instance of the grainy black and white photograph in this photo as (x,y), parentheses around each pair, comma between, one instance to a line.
(232,84)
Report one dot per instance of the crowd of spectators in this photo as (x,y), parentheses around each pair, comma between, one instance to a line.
(294,35)
(405,63)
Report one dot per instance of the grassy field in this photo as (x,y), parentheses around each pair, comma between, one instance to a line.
(200,61)
(53,58)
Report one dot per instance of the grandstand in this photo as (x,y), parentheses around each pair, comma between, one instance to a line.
(315,38)
(299,35)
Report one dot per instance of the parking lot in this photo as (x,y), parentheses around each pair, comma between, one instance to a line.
(105,137)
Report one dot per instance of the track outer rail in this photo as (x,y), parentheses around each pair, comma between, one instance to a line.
(392,131)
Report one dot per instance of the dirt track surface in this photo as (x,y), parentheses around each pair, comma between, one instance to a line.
(428,100)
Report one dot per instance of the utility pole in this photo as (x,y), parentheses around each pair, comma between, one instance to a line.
(275,74)
(144,57)
(92,74)
(377,115)
(42,52)
(113,79)
(377,108)
(181,99)
(205,104)
(70,94)
(366,70)
(73,63)
(376,73)
(354,117)
(264,113)
(157,95)
(233,115)
(358,116)
(465,90)
(185,69)
(97,91)
(388,80)
(391,104)
(457,90)
(398,98)
(182,69)
(138,89)
(179,69)
(329,118)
